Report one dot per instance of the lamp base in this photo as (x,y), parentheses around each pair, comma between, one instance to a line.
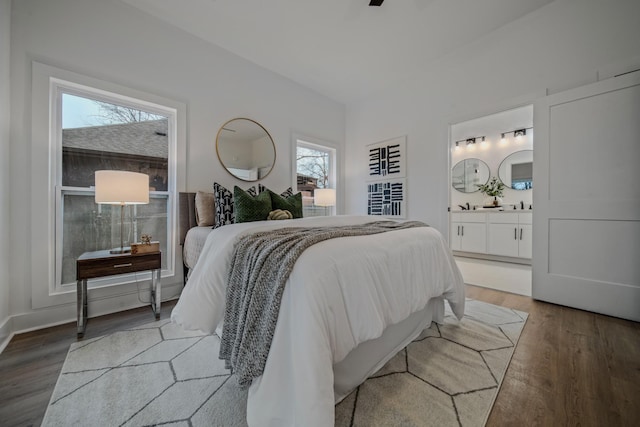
(120,250)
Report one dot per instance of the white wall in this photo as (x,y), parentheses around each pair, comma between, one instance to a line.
(565,44)
(5,176)
(111,41)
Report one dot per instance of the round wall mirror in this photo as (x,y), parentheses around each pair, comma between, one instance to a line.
(467,174)
(516,170)
(245,149)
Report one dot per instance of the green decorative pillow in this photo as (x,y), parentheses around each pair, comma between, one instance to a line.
(286,193)
(292,204)
(249,208)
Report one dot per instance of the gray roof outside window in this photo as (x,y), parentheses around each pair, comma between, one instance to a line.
(139,138)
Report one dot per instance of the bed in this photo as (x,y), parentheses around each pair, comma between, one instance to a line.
(349,305)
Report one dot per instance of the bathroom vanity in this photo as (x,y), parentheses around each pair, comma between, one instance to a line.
(492,234)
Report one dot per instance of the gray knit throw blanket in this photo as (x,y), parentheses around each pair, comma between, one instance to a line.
(261,265)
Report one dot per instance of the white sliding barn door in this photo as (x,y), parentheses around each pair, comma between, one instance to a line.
(586,202)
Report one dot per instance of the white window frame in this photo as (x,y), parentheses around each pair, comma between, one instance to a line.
(58,88)
(45,197)
(299,140)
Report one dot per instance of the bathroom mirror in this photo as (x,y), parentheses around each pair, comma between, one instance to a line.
(516,170)
(245,149)
(467,174)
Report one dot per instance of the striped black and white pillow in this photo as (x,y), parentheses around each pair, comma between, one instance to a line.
(224,204)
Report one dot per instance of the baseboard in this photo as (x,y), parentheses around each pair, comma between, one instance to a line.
(497,258)
(6,333)
(506,277)
(66,313)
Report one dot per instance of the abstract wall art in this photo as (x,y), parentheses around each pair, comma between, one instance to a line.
(387,159)
(387,198)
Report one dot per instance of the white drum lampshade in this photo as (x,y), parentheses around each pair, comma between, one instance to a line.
(324,197)
(122,188)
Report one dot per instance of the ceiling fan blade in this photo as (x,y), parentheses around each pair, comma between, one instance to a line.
(375,2)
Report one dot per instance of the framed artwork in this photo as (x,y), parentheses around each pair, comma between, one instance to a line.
(387,198)
(387,159)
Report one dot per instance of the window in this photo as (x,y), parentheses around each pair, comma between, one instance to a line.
(315,168)
(97,130)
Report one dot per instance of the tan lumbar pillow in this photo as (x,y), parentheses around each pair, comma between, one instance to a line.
(205,209)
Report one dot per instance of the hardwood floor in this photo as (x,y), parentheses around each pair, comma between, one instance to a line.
(31,363)
(570,367)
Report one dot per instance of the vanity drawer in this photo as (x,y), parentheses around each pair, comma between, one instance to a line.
(468,217)
(511,218)
(526,218)
(503,218)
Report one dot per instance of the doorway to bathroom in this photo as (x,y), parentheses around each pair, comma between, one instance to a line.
(491,199)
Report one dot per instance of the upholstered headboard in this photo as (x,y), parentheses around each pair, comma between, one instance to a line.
(186,214)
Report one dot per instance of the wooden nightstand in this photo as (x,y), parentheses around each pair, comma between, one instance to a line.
(102,263)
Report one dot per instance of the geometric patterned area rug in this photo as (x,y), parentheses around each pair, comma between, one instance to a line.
(159,374)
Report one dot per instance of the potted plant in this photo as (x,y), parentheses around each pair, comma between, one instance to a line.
(494,189)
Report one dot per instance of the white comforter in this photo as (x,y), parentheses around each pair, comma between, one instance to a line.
(341,293)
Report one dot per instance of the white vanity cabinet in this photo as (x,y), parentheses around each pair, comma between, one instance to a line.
(510,234)
(469,232)
(494,234)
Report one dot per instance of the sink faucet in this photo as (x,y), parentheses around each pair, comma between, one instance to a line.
(521,205)
(468,207)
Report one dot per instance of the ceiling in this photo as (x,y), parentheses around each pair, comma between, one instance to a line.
(343,49)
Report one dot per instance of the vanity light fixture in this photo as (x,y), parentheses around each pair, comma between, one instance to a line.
(457,147)
(469,141)
(503,140)
(517,133)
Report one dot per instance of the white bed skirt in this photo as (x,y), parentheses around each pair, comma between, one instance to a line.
(368,357)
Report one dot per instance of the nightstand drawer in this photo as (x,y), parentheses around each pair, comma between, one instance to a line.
(98,267)
(90,265)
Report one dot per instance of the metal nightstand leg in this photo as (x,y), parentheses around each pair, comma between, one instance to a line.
(156,290)
(82,306)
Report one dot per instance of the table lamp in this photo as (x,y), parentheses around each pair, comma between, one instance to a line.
(122,188)
(324,197)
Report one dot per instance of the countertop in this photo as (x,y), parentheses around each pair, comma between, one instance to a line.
(492,210)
